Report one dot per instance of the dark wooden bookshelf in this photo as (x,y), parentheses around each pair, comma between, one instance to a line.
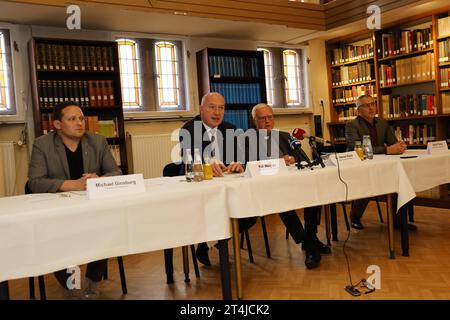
(238,75)
(78,67)
(440,122)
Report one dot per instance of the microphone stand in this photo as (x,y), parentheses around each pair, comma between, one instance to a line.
(318,159)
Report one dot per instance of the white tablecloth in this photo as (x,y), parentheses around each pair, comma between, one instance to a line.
(42,233)
(425,171)
(300,189)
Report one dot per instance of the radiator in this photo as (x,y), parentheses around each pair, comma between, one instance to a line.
(7,169)
(150,153)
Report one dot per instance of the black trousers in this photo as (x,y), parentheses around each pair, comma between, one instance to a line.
(294,225)
(94,271)
(359,206)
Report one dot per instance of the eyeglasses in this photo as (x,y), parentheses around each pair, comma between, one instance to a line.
(215,108)
(368,105)
(260,118)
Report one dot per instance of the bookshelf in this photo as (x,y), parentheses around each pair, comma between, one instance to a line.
(86,72)
(411,82)
(236,74)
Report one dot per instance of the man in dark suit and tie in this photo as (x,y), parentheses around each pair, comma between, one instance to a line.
(63,160)
(382,138)
(215,140)
(278,146)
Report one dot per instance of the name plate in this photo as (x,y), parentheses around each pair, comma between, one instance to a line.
(107,187)
(265,168)
(437,147)
(346,159)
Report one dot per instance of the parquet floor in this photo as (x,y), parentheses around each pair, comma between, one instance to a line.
(423,275)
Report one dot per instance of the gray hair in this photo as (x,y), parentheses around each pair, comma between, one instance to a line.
(259,106)
(359,101)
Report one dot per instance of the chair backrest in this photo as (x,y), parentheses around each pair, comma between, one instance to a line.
(27,188)
(172,170)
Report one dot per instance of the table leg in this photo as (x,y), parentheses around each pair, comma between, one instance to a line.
(4,290)
(390,218)
(237,257)
(334,229)
(185,250)
(404,230)
(225,270)
(327,224)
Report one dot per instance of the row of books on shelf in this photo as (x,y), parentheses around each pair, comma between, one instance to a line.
(350,94)
(348,114)
(407,71)
(416,133)
(87,93)
(237,117)
(444,27)
(444,51)
(397,106)
(220,66)
(115,151)
(399,42)
(107,128)
(238,93)
(445,77)
(362,71)
(60,57)
(349,53)
(445,102)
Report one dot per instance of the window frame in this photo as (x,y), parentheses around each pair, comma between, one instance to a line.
(281,106)
(189,100)
(137,74)
(17,115)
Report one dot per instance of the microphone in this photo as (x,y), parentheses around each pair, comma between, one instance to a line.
(299,153)
(300,134)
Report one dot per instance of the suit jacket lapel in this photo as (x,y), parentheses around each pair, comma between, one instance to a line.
(380,132)
(61,151)
(85,150)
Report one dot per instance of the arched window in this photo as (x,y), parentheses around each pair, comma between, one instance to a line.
(129,73)
(291,70)
(268,68)
(167,75)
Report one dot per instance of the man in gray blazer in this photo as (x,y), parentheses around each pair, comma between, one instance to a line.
(383,142)
(62,161)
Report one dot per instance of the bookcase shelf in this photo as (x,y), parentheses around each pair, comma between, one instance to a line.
(406,55)
(236,74)
(409,49)
(354,84)
(86,72)
(351,62)
(406,84)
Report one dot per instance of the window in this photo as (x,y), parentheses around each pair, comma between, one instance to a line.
(7,103)
(129,73)
(167,75)
(268,68)
(285,77)
(157,66)
(291,72)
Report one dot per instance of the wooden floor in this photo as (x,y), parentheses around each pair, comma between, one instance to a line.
(423,275)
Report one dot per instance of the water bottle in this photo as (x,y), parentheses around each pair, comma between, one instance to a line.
(198,166)
(367,146)
(188,163)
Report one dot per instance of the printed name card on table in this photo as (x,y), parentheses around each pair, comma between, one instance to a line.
(107,187)
(265,168)
(437,147)
(346,159)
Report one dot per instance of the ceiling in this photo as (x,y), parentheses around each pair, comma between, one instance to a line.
(134,20)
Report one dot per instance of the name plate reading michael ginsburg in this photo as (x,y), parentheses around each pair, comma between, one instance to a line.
(106,187)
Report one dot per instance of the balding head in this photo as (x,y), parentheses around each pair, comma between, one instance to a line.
(212,109)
